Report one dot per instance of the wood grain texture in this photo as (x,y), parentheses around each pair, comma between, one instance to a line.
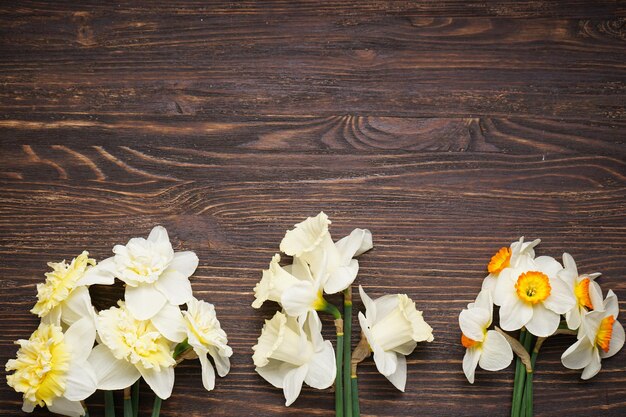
(448,128)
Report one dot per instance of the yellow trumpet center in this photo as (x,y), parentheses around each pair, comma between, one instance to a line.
(581,290)
(533,286)
(467,342)
(41,366)
(605,331)
(499,261)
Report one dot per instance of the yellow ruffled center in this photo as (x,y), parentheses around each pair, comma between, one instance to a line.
(581,290)
(467,342)
(533,287)
(499,261)
(60,283)
(605,331)
(41,366)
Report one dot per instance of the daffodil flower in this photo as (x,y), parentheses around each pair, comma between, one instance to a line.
(132,348)
(486,348)
(64,296)
(206,337)
(586,289)
(293,287)
(534,296)
(515,256)
(393,326)
(602,337)
(289,354)
(52,368)
(311,241)
(153,273)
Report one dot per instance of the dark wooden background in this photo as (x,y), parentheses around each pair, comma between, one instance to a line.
(449,128)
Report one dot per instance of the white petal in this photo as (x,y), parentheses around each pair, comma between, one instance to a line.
(28,406)
(274,372)
(342,277)
(170,323)
(489,283)
(591,324)
(514,313)
(77,306)
(407,348)
(161,381)
(322,368)
(292,384)
(386,305)
(617,340)
(573,318)
(356,243)
(578,355)
(594,366)
(561,298)
(470,361)
(544,322)
(595,294)
(548,265)
(208,373)
(570,265)
(54,316)
(611,306)
(144,301)
(81,336)
(473,322)
(370,308)
(66,407)
(222,363)
(158,235)
(184,263)
(398,378)
(111,373)
(175,287)
(103,273)
(484,300)
(81,382)
(505,286)
(313,328)
(386,362)
(497,353)
(299,298)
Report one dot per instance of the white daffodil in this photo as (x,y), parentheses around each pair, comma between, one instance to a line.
(132,348)
(486,348)
(501,263)
(293,287)
(534,296)
(64,296)
(153,273)
(393,326)
(310,240)
(586,289)
(206,336)
(288,354)
(602,337)
(51,368)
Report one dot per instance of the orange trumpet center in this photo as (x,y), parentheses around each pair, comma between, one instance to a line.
(581,290)
(603,337)
(499,261)
(533,286)
(467,342)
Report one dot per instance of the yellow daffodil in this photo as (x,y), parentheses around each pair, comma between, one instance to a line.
(132,348)
(311,241)
(586,289)
(289,354)
(64,296)
(206,337)
(393,326)
(153,273)
(514,256)
(602,336)
(484,347)
(534,296)
(52,368)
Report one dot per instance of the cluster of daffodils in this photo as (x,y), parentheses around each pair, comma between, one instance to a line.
(540,297)
(291,350)
(77,350)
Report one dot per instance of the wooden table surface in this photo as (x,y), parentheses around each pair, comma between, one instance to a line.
(449,128)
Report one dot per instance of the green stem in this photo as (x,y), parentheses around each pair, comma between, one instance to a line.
(528,343)
(109,404)
(528,391)
(356,411)
(128,405)
(347,351)
(156,408)
(518,383)
(135,398)
(338,380)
